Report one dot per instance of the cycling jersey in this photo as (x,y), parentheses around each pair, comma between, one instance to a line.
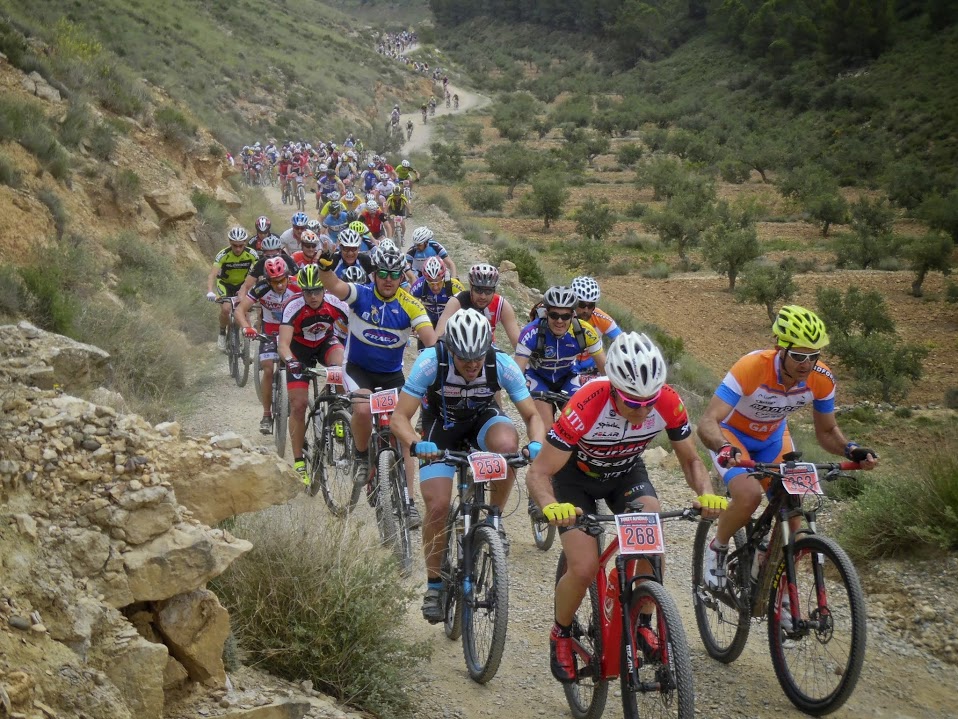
(326,184)
(403,173)
(606,327)
(417,258)
(760,402)
(301,259)
(385,188)
(340,266)
(312,327)
(369,181)
(290,240)
(603,442)
(491,312)
(397,205)
(379,328)
(375,221)
(272,303)
(234,268)
(334,224)
(558,353)
(435,303)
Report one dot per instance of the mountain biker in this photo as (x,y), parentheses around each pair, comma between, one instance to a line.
(409,128)
(396,205)
(382,317)
(405,171)
(366,242)
(433,289)
(455,101)
(482,296)
(747,419)
(270,247)
(587,293)
(375,219)
(351,203)
(307,336)
(336,221)
(291,237)
(424,246)
(309,242)
(593,451)
(272,294)
(350,253)
(456,382)
(261,231)
(230,268)
(327,182)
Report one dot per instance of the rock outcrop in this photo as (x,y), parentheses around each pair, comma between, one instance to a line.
(34,357)
(170,204)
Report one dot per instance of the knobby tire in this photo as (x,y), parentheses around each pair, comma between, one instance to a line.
(391,513)
(482,644)
(280,410)
(335,463)
(451,567)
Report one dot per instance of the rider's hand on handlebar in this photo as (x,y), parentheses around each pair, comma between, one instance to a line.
(532,449)
(728,455)
(867,458)
(250,332)
(561,515)
(710,504)
(211,296)
(427,450)
(294,368)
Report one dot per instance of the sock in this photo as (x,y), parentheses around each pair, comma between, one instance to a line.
(297,459)
(718,546)
(223,331)
(434,583)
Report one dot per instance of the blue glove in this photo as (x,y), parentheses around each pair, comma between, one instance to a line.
(533,449)
(426,448)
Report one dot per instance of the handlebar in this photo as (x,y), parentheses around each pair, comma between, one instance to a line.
(513,459)
(556,398)
(832,470)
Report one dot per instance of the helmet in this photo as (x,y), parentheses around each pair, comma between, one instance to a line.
(335,207)
(271,243)
(350,195)
(397,189)
(370,164)
(559,297)
(372,205)
(468,335)
(405,163)
(308,278)
(257,146)
(483,275)
(323,167)
(300,219)
(309,238)
(238,234)
(355,273)
(263,224)
(275,267)
(314,226)
(333,196)
(797,326)
(350,238)
(586,289)
(359,227)
(422,235)
(434,269)
(387,244)
(390,259)
(634,364)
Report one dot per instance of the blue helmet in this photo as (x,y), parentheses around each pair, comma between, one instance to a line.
(300,219)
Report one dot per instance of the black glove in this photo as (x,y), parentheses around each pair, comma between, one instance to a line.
(326,259)
(858,454)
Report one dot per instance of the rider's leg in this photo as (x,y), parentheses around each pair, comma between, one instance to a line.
(436,494)
(498,434)
(298,400)
(582,557)
(266,383)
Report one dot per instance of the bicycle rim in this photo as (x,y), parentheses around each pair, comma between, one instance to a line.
(390,508)
(451,567)
(587,695)
(280,411)
(543,533)
(258,379)
(485,610)
(662,652)
(723,617)
(335,462)
(818,667)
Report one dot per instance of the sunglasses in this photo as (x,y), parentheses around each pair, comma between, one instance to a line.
(316,291)
(309,245)
(484,290)
(560,317)
(277,280)
(804,356)
(389,274)
(635,403)
(587,305)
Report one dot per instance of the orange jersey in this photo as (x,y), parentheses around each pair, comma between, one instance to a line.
(604,325)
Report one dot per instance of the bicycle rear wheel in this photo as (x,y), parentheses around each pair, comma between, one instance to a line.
(723,616)
(587,695)
(280,410)
(662,654)
(451,568)
(244,361)
(819,663)
(334,463)
(543,533)
(391,513)
(485,610)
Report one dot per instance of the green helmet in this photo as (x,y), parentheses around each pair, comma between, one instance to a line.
(308,278)
(796,326)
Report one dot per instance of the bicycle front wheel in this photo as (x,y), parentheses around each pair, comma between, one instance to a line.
(543,533)
(818,662)
(662,654)
(391,513)
(485,608)
(334,463)
(258,378)
(232,349)
(451,571)
(280,410)
(243,363)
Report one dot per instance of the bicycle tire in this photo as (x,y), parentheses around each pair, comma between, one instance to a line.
(232,351)
(244,361)
(258,379)
(543,533)
(335,461)
(841,584)
(280,410)
(391,513)
(587,695)
(451,565)
(670,670)
(489,603)
(723,618)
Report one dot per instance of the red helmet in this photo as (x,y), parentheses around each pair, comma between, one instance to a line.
(263,224)
(276,268)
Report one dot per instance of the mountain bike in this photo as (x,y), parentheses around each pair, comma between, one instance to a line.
(543,533)
(399,222)
(301,197)
(280,403)
(328,448)
(287,195)
(804,582)
(407,189)
(409,129)
(237,346)
(475,594)
(628,626)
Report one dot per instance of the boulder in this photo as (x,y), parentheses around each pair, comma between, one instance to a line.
(175,675)
(195,627)
(228,198)
(654,456)
(136,667)
(170,205)
(283,709)
(43,359)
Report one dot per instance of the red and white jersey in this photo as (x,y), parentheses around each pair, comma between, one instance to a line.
(603,442)
(273,303)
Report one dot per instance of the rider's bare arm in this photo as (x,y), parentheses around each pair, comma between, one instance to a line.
(333,284)
(401,424)
(284,342)
(539,477)
(211,280)
(599,358)
(452,306)
(427,334)
(241,311)
(535,429)
(696,474)
(709,431)
(452,266)
(510,323)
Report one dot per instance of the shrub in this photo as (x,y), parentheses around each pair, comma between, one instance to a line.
(903,412)
(951,398)
(328,606)
(548,196)
(482,198)
(447,161)
(587,255)
(512,163)
(656,271)
(12,292)
(25,123)
(57,211)
(527,265)
(211,218)
(76,125)
(174,125)
(473,136)
(767,286)
(735,171)
(731,242)
(629,154)
(951,292)
(927,254)
(443,202)
(48,300)
(102,141)
(9,175)
(594,219)
(636,210)
(125,185)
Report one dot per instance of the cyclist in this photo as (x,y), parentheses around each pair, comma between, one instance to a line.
(336,221)
(405,171)
(352,204)
(549,345)
(482,296)
(291,237)
(455,101)
(456,382)
(261,232)
(369,178)
(424,109)
(350,253)
(355,273)
(409,128)
(424,246)
(587,293)
(327,182)
(382,317)
(332,197)
(396,204)
(309,241)
(272,294)
(230,268)
(271,247)
(367,244)
(593,451)
(747,418)
(308,335)
(433,289)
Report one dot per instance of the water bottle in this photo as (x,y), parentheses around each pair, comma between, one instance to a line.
(761,556)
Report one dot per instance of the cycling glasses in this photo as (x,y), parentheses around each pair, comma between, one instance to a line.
(314,291)
(587,305)
(308,244)
(484,290)
(389,274)
(635,402)
(563,317)
(804,356)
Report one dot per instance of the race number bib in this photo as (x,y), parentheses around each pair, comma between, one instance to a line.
(488,466)
(640,533)
(802,478)
(383,402)
(334,375)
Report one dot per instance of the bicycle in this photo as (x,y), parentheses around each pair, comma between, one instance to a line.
(543,533)
(280,401)
(287,194)
(408,132)
(816,616)
(328,444)
(455,103)
(475,594)
(237,346)
(629,625)
(399,222)
(407,189)
(301,197)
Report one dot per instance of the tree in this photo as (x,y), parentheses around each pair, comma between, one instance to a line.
(595,145)
(826,208)
(512,163)
(909,184)
(872,239)
(664,175)
(766,285)
(731,242)
(514,115)
(548,196)
(857,313)
(941,213)
(927,254)
(594,220)
(447,161)
(762,154)
(685,216)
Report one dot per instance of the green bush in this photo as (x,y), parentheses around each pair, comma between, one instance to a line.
(76,125)
(48,302)
(473,136)
(102,141)
(174,125)
(629,154)
(443,202)
(594,220)
(656,271)
(766,286)
(903,412)
(951,398)
(951,292)
(125,185)
(447,161)
(328,606)
(57,211)
(12,292)
(527,266)
(483,198)
(9,175)
(734,171)
(636,210)
(587,255)
(25,123)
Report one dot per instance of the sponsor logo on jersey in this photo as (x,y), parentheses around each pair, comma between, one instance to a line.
(574,420)
(380,337)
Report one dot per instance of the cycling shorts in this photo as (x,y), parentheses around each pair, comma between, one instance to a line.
(768,451)
(572,486)
(472,432)
(357,378)
(309,357)
(537,383)
(224,289)
(268,351)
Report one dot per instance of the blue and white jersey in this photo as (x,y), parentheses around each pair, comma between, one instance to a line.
(423,375)
(417,258)
(379,328)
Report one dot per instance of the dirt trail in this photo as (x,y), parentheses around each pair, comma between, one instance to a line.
(422,134)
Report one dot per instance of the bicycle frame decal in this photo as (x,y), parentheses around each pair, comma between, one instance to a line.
(488,466)
(800,478)
(640,533)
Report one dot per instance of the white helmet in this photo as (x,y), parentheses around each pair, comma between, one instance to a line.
(562,297)
(386,244)
(434,269)
(322,168)
(350,238)
(405,163)
(372,205)
(349,196)
(635,365)
(354,273)
(586,289)
(237,235)
(468,335)
(422,235)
